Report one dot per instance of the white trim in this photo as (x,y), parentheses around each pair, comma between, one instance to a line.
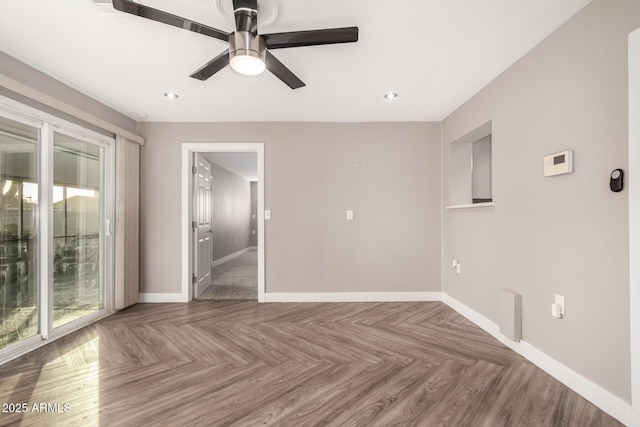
(352,296)
(187,150)
(232,256)
(160,298)
(605,400)
(185,226)
(260,224)
(45,236)
(633,185)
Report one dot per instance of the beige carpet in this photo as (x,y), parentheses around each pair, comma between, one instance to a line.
(235,279)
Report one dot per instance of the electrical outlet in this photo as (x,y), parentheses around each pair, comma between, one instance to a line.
(456,264)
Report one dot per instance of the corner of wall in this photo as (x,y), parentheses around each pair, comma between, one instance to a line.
(442,205)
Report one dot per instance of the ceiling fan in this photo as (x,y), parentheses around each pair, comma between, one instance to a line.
(248,52)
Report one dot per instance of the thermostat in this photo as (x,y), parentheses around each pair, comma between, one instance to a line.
(558,163)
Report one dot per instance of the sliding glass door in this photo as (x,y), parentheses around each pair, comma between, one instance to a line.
(78,224)
(19,147)
(56,253)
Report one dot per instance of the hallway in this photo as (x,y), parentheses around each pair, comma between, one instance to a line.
(235,279)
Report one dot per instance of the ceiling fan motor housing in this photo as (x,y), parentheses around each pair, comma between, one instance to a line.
(243,44)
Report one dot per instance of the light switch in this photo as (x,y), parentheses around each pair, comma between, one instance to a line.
(349,215)
(557,308)
(267,214)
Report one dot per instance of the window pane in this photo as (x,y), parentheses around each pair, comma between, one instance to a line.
(18,231)
(77,213)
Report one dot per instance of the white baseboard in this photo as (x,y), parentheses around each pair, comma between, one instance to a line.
(597,395)
(144,298)
(352,296)
(232,256)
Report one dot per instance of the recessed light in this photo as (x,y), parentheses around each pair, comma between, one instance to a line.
(171,95)
(390,95)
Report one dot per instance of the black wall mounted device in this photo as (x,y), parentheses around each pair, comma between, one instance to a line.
(616,181)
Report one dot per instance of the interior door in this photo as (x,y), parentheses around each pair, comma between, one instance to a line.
(202,231)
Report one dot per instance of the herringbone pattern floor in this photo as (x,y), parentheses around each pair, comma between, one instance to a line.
(222,363)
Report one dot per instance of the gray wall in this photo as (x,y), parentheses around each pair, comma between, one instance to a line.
(231,213)
(253,229)
(388,173)
(568,234)
(21,72)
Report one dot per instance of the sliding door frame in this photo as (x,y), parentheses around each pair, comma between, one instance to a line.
(23,346)
(108,144)
(48,124)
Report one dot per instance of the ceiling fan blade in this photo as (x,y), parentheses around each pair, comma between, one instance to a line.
(212,67)
(138,9)
(246,13)
(311,38)
(282,72)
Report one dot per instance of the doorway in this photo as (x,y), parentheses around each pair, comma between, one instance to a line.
(233,274)
(215,152)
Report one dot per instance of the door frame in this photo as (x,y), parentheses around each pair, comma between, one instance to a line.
(188,149)
(633,183)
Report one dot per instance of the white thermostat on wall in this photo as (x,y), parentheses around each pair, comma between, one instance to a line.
(559,163)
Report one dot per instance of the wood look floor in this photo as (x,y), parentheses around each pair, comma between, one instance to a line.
(222,363)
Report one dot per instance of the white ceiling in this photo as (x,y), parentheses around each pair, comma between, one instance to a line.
(242,164)
(434,53)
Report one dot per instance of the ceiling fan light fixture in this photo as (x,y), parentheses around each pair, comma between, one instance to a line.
(246,53)
(247,63)
(390,95)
